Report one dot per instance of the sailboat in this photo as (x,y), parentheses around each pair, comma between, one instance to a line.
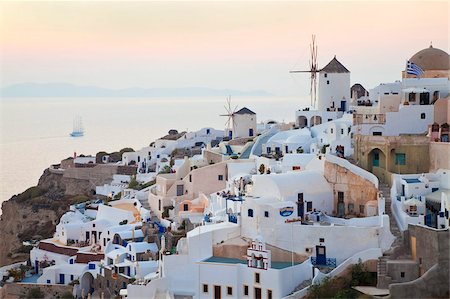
(78,130)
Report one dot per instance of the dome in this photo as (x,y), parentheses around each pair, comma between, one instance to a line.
(431,59)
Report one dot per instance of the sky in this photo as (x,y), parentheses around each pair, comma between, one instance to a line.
(236,45)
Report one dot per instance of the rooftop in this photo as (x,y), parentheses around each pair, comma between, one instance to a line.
(244,110)
(334,66)
(224,260)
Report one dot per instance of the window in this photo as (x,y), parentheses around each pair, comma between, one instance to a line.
(257,278)
(342,131)
(269,294)
(245,290)
(220,177)
(349,129)
(321,240)
(328,81)
(124,285)
(350,207)
(266,214)
(377,133)
(325,75)
(48,281)
(269,150)
(185,207)
(402,274)
(159,205)
(205,288)
(190,178)
(277,149)
(229,291)
(71,277)
(361,209)
(422,116)
(309,206)
(331,130)
(300,196)
(412,97)
(400,159)
(250,213)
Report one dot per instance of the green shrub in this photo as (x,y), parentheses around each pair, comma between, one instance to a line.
(133,183)
(30,193)
(24,249)
(67,295)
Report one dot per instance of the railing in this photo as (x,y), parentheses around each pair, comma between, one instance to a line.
(329,262)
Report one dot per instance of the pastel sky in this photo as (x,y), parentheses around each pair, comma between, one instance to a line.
(236,45)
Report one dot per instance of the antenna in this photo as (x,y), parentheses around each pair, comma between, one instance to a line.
(313,70)
(230,113)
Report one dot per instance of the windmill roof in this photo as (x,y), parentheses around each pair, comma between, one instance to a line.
(334,66)
(244,110)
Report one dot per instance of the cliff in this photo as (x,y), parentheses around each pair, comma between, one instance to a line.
(33,215)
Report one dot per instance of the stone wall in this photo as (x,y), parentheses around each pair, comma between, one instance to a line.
(357,190)
(432,253)
(415,147)
(109,286)
(83,180)
(439,155)
(20,290)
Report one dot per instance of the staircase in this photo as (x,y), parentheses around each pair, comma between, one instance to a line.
(144,203)
(383,280)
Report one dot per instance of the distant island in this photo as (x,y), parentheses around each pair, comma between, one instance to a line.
(71,90)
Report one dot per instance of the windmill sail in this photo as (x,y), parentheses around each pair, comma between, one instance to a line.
(230,113)
(313,70)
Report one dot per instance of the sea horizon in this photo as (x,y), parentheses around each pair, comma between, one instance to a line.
(35,131)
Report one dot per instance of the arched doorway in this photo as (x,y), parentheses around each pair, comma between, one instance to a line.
(377,163)
(315,120)
(302,122)
(86,285)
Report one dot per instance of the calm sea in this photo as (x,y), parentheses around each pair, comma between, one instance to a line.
(34,132)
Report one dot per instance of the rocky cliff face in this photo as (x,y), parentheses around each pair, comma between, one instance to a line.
(32,215)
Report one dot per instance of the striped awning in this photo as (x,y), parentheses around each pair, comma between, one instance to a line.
(437,195)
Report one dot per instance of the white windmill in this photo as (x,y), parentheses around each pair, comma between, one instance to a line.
(230,113)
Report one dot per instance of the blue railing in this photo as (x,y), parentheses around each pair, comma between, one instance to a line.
(329,262)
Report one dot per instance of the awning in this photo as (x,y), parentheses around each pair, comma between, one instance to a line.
(415,90)
(436,195)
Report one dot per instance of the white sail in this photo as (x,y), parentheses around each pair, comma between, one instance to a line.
(78,130)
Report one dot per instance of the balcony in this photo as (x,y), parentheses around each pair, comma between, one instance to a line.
(329,262)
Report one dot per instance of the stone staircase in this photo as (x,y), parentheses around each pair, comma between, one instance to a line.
(383,280)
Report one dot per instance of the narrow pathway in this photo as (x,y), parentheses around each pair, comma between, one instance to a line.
(383,280)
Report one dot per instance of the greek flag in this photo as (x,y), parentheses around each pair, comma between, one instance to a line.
(413,69)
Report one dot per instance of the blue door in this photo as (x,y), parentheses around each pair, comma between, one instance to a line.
(36,266)
(321,255)
(230,134)
(250,132)
(61,278)
(128,271)
(343,104)
(376,159)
